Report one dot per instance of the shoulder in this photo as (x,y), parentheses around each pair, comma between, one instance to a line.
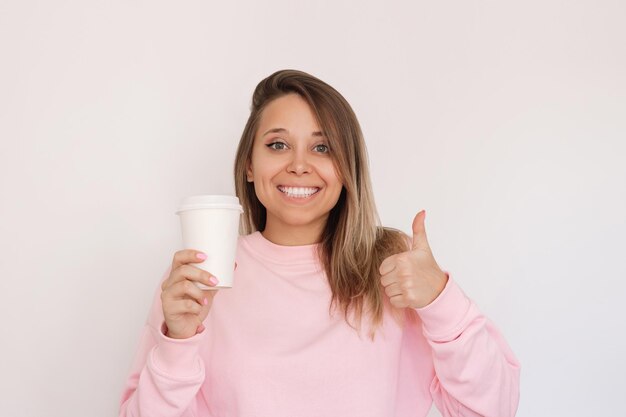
(249,239)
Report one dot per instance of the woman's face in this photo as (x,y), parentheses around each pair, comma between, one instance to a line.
(292,169)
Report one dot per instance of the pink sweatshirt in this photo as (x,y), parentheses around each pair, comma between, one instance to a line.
(270,349)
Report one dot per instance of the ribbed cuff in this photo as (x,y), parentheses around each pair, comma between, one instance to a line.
(445,316)
(178,357)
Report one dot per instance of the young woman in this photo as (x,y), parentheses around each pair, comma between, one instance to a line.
(331,314)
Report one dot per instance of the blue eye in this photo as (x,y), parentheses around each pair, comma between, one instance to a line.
(277,146)
(324,148)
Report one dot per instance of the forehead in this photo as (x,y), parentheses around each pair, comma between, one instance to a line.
(287,111)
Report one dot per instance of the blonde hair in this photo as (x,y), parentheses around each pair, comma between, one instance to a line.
(353,244)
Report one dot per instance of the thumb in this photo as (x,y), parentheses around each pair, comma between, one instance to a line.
(419,232)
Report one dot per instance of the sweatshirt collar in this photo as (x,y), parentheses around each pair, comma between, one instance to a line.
(285,255)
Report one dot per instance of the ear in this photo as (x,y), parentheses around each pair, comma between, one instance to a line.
(250,177)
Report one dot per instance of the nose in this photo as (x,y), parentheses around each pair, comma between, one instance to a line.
(299,163)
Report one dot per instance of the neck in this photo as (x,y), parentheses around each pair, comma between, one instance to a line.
(293,235)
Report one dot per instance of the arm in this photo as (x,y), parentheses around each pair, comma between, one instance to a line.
(166,374)
(476,373)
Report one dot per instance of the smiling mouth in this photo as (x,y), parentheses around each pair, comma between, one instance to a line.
(298,192)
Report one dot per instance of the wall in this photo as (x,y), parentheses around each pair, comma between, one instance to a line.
(504,120)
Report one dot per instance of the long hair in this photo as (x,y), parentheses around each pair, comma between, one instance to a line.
(353,243)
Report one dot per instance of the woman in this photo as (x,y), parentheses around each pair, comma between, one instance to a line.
(313,269)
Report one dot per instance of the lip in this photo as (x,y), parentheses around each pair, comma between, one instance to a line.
(298,186)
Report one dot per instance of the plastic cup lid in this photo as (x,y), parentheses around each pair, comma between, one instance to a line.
(210,201)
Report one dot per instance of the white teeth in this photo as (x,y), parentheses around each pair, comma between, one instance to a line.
(299,191)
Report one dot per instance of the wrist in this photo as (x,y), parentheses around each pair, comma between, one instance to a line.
(438,283)
(169,334)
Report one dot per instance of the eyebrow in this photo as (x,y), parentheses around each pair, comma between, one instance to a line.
(283,130)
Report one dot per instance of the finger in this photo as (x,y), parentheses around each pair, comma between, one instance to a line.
(186,289)
(388,279)
(191,273)
(209,295)
(387,265)
(393,290)
(186,256)
(398,301)
(184,306)
(419,232)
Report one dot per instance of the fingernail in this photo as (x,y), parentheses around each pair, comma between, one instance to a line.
(201,256)
(213,280)
(200,329)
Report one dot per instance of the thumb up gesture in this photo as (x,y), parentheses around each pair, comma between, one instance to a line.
(413,279)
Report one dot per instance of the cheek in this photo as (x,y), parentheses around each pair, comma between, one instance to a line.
(261,192)
(263,177)
(330,175)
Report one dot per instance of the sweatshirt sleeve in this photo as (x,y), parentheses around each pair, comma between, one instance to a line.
(166,374)
(476,373)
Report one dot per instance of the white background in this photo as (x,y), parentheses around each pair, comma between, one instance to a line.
(505,120)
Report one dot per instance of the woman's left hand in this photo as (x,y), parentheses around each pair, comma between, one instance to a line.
(413,279)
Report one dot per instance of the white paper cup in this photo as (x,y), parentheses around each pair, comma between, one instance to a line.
(210,223)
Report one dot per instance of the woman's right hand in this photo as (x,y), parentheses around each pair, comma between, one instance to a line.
(185,306)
